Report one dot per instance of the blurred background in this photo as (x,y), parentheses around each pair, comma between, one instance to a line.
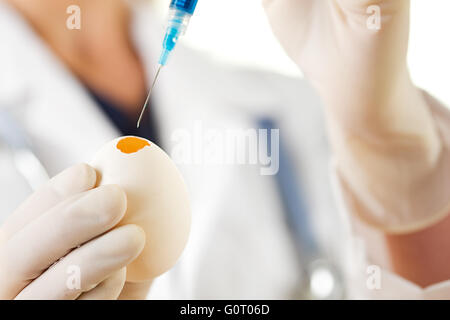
(236,31)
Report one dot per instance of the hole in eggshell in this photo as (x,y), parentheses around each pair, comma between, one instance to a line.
(132,144)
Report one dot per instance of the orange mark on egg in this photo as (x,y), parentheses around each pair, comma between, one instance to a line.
(132,144)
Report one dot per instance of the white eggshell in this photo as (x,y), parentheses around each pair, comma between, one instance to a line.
(157,201)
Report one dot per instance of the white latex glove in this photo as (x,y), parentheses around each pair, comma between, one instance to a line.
(63,226)
(391,159)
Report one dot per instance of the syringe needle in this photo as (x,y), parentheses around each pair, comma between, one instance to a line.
(147,101)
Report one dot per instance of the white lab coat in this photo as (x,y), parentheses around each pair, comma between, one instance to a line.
(240,245)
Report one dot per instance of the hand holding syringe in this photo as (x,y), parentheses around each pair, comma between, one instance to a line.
(180,12)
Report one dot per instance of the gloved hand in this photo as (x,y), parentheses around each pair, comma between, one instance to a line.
(392,162)
(59,244)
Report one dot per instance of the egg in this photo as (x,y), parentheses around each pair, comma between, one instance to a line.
(157,201)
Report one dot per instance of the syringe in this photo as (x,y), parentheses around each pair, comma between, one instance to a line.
(180,13)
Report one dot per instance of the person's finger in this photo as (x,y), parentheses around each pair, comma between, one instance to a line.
(84,268)
(51,236)
(108,289)
(74,180)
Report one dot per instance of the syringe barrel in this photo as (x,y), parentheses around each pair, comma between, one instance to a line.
(187,6)
(180,13)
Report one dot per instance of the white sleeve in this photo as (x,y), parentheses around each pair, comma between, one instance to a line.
(368,281)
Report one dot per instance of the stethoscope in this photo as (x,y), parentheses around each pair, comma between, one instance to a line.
(25,160)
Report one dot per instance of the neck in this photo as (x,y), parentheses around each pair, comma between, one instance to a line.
(99,18)
(100,53)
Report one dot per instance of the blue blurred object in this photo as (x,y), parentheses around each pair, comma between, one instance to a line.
(292,196)
(321,278)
